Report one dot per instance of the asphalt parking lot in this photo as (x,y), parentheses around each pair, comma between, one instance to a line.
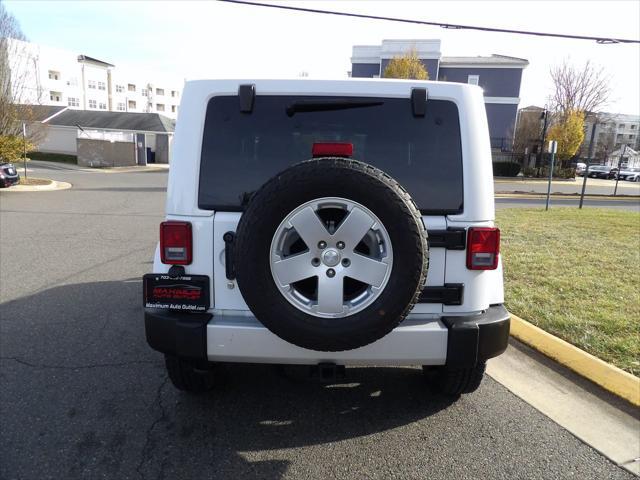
(82,396)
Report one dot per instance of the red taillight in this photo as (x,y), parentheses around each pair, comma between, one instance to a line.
(175,243)
(332,150)
(483,248)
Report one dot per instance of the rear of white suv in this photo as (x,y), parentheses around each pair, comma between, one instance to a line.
(329,223)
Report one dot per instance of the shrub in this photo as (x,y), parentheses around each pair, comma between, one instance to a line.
(530,172)
(12,147)
(54,157)
(506,169)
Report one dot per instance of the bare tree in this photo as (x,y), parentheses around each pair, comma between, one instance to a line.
(18,76)
(585,89)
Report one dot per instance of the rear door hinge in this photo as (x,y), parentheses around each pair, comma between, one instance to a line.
(451,238)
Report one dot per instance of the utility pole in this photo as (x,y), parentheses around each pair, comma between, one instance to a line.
(586,171)
(553,148)
(543,116)
(624,150)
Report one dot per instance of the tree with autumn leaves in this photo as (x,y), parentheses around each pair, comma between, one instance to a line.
(568,131)
(577,91)
(407,66)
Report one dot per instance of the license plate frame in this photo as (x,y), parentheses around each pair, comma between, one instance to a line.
(188,293)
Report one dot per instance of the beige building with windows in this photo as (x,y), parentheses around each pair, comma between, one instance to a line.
(43,75)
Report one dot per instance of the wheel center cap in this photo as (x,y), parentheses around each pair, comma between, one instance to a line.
(331,257)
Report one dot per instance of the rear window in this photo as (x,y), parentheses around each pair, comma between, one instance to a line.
(241,151)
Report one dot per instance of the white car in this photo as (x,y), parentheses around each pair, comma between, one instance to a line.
(630,174)
(329,223)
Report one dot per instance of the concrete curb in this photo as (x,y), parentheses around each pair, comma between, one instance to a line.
(53,186)
(136,169)
(611,378)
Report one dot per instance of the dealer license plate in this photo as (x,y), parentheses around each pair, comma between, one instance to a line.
(187,293)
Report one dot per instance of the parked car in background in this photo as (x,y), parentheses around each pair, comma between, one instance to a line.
(601,171)
(8,175)
(630,174)
(580,169)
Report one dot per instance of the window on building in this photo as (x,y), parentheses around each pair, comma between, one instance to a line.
(102,106)
(73,102)
(93,104)
(120,107)
(91,84)
(144,92)
(174,109)
(159,91)
(55,96)
(102,86)
(73,81)
(633,127)
(621,126)
(631,136)
(53,75)
(160,107)
(131,87)
(174,93)
(119,88)
(132,105)
(619,136)
(473,79)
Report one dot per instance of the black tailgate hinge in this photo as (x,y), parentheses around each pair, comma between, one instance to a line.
(451,238)
(449,294)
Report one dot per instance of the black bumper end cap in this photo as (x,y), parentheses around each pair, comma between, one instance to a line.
(182,334)
(474,339)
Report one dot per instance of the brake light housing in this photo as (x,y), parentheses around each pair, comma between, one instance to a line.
(176,243)
(332,150)
(483,248)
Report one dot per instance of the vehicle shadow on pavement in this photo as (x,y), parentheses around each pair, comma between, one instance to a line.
(77,371)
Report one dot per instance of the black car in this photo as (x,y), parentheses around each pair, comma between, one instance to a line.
(8,175)
(602,171)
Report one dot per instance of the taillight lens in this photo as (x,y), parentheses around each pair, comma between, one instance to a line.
(175,243)
(483,248)
(332,150)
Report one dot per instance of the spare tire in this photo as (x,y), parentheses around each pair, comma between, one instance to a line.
(331,254)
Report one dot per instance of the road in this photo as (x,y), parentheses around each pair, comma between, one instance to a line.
(82,396)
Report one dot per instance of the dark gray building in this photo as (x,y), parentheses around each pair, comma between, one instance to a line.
(498,75)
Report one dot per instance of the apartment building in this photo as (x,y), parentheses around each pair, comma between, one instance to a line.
(613,132)
(43,75)
(499,76)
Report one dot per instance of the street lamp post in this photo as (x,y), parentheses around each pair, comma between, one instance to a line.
(553,148)
(586,170)
(624,150)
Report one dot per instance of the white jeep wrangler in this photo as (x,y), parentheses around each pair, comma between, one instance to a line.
(329,223)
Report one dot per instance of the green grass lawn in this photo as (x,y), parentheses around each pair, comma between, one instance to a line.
(576,274)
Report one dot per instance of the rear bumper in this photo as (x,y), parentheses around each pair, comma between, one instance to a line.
(457,341)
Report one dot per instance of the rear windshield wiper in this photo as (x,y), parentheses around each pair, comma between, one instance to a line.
(329,105)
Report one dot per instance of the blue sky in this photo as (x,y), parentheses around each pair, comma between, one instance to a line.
(210,39)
